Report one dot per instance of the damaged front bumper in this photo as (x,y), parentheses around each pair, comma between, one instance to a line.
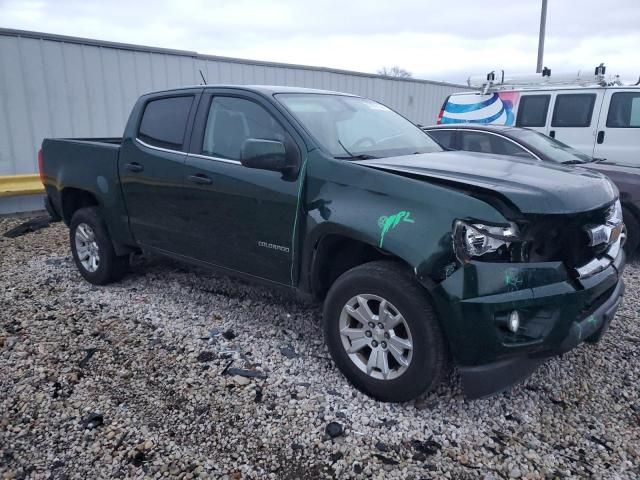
(484,380)
(559,310)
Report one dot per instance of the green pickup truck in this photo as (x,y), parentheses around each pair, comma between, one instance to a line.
(424,258)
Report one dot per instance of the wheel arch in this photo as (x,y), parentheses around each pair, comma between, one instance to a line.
(74,199)
(333,250)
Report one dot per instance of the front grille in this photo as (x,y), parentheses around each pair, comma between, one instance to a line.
(564,238)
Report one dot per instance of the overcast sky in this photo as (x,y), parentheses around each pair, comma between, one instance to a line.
(434,39)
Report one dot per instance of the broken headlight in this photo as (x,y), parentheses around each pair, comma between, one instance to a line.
(486,242)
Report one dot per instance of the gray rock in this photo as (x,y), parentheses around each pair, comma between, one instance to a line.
(147,383)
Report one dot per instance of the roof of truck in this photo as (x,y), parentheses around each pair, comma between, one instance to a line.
(263,89)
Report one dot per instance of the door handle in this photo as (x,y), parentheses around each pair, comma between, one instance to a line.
(134,167)
(552,134)
(600,137)
(200,179)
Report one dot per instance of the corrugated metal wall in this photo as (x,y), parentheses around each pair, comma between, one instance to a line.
(55,86)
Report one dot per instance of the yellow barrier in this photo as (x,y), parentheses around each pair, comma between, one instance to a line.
(12,186)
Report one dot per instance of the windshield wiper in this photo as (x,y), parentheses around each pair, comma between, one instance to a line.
(361,156)
(573,162)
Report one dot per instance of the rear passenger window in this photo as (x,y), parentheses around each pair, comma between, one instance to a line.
(164,122)
(573,110)
(532,111)
(444,137)
(624,110)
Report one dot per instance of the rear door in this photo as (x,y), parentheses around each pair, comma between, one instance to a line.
(239,218)
(575,118)
(151,167)
(618,136)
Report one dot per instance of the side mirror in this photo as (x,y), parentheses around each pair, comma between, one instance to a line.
(264,155)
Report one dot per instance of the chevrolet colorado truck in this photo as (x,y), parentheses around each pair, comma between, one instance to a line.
(489,263)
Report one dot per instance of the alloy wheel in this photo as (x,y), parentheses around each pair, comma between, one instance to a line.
(376,336)
(87,247)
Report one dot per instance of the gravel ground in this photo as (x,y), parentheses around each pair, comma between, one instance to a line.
(136,380)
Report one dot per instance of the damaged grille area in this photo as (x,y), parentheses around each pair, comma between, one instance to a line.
(564,238)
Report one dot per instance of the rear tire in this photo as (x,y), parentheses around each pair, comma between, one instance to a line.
(633,232)
(377,360)
(93,250)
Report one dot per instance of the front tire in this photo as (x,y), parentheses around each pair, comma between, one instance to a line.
(383,333)
(93,250)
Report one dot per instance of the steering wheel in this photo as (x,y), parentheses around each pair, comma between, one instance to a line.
(363,143)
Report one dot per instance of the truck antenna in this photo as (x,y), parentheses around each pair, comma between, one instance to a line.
(202,75)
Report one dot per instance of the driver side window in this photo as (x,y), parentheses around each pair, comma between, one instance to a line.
(233,120)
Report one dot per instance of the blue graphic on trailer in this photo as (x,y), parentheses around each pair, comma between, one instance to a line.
(495,108)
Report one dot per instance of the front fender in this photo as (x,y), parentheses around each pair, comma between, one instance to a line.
(408,218)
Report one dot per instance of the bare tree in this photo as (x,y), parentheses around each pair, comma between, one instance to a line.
(394,71)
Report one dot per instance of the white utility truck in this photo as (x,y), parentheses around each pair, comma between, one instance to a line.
(594,114)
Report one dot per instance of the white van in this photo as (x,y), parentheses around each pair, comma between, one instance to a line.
(598,117)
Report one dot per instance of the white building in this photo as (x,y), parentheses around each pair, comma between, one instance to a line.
(58,86)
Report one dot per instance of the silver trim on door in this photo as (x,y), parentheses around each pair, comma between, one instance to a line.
(206,157)
(217,159)
(158,148)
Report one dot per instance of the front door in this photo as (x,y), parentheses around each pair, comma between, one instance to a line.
(151,167)
(239,218)
(618,137)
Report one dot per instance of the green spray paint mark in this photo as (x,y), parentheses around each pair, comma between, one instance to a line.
(391,222)
(512,279)
(592,320)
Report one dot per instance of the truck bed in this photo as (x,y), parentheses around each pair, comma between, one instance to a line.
(87,164)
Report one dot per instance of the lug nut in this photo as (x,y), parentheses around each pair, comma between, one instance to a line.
(383,344)
(374,344)
(368,333)
(380,325)
(386,335)
(372,325)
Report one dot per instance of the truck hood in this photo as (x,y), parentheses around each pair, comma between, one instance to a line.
(532,186)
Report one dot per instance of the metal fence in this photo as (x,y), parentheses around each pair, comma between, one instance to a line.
(57,86)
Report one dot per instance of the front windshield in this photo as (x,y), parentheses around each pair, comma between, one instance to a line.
(356,127)
(550,147)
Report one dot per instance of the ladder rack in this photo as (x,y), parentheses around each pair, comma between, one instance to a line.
(497,80)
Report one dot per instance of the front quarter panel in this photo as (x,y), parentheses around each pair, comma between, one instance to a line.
(408,218)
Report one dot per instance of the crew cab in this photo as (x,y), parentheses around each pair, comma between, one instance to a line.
(421,256)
